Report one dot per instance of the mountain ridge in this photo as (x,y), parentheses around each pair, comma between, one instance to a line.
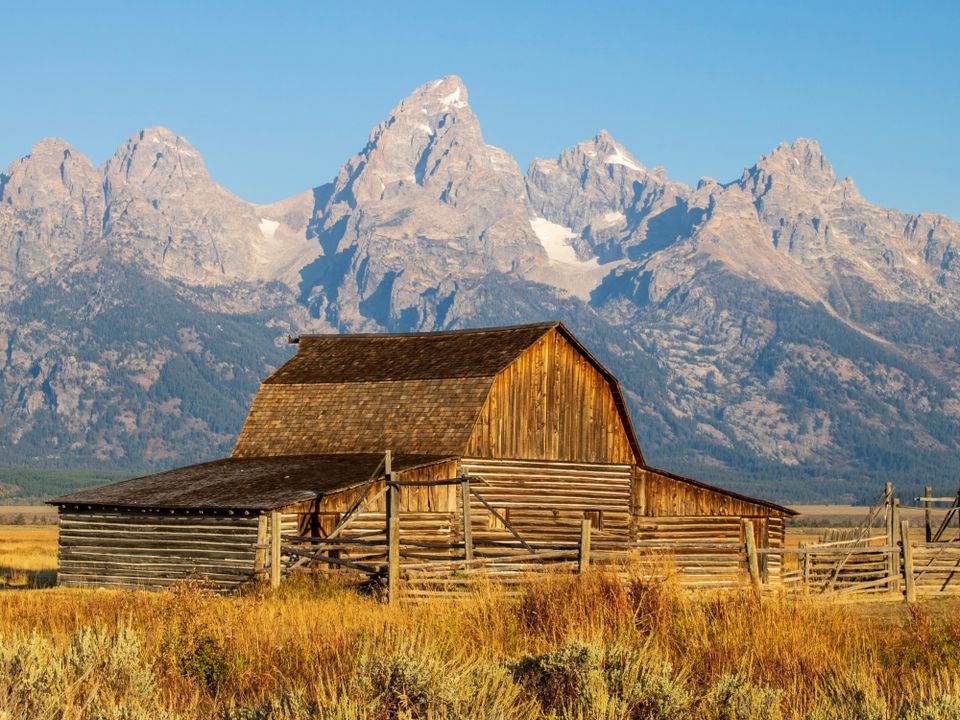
(774,326)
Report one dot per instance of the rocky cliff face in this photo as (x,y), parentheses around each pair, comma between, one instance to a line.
(777,333)
(423,207)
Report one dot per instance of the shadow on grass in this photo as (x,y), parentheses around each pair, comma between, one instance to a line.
(17,579)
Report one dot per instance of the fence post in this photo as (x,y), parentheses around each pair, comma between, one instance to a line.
(584,545)
(260,556)
(753,566)
(888,492)
(393,532)
(927,518)
(909,586)
(895,555)
(467,520)
(805,566)
(275,549)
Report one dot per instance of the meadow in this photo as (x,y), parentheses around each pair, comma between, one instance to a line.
(568,647)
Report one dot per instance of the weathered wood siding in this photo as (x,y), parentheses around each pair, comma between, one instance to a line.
(547,501)
(551,403)
(129,549)
(659,494)
(427,513)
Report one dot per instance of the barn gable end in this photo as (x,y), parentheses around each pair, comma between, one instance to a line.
(555,402)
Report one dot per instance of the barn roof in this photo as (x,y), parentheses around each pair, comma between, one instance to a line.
(244,483)
(406,356)
(413,392)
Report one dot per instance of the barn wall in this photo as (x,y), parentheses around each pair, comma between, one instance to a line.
(659,494)
(129,549)
(667,509)
(547,501)
(551,404)
(427,513)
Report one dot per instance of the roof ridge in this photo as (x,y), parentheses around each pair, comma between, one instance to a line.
(429,333)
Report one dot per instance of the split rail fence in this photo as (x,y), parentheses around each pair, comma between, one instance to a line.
(884,560)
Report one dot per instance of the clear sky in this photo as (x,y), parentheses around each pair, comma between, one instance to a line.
(277,95)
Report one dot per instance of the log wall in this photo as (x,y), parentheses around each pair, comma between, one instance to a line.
(547,501)
(135,550)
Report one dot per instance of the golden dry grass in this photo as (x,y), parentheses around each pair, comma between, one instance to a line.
(28,555)
(570,647)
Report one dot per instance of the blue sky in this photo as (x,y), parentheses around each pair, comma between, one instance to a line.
(276,98)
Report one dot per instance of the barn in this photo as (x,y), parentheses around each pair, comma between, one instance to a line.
(449,440)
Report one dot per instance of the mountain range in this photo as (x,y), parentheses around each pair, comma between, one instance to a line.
(776,333)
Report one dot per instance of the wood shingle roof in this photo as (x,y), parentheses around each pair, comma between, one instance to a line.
(412,393)
(244,483)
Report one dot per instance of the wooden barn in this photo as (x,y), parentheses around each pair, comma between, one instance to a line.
(505,437)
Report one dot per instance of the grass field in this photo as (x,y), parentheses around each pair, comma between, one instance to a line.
(570,647)
(842,516)
(28,515)
(28,555)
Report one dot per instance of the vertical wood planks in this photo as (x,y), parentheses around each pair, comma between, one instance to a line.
(467,521)
(584,545)
(551,404)
(275,520)
(909,585)
(260,560)
(751,546)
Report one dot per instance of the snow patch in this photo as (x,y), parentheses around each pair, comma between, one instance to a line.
(555,239)
(618,158)
(425,128)
(453,99)
(268,228)
(565,270)
(609,218)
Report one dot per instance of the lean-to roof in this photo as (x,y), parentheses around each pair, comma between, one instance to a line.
(244,483)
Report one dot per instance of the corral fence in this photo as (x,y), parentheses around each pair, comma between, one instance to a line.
(870,560)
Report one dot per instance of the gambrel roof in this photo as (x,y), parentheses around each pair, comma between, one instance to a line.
(413,393)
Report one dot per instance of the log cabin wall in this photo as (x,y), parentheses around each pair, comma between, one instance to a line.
(428,513)
(136,550)
(674,510)
(548,500)
(552,403)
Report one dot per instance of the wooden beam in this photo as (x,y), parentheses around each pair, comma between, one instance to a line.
(909,586)
(753,567)
(467,519)
(275,519)
(584,545)
(260,560)
(393,537)
(927,515)
(503,520)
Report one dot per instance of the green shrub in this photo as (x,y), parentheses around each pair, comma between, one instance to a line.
(287,706)
(578,679)
(404,684)
(946,707)
(206,662)
(734,697)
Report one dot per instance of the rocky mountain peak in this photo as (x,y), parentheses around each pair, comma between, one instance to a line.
(426,186)
(158,160)
(51,208)
(51,172)
(602,193)
(799,162)
(448,94)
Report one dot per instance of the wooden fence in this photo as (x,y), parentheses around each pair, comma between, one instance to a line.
(866,563)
